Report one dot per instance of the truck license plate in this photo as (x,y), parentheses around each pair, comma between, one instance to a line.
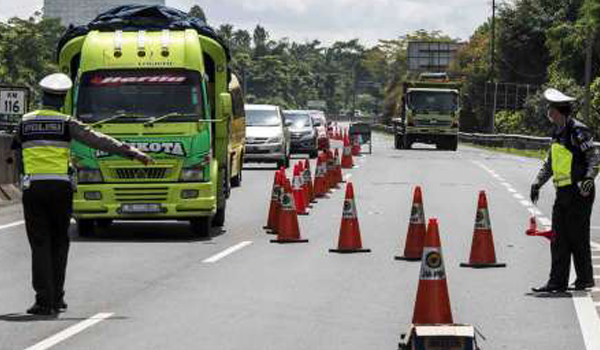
(141,208)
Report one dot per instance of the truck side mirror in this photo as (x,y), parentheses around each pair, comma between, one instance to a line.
(225,104)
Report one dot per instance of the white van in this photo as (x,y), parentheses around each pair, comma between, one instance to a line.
(267,136)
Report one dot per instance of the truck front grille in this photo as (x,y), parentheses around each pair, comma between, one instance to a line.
(147,173)
(141,194)
(433,122)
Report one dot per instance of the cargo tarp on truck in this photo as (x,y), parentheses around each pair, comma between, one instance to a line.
(136,17)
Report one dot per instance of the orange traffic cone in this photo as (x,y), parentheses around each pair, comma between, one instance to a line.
(355,146)
(274,207)
(482,249)
(331,183)
(433,302)
(288,230)
(347,162)
(338,168)
(305,194)
(320,177)
(349,240)
(298,192)
(533,230)
(308,181)
(413,248)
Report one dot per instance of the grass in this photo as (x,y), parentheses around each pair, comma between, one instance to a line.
(539,154)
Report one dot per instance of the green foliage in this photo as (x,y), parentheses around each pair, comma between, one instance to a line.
(27,50)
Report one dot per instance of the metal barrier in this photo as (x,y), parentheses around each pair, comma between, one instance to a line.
(8,161)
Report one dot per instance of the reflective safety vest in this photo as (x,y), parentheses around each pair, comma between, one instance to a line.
(45,139)
(562,162)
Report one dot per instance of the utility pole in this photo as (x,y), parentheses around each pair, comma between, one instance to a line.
(492,64)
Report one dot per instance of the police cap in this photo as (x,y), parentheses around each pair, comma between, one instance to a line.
(57,83)
(555,97)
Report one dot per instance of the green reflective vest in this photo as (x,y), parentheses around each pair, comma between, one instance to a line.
(45,140)
(562,162)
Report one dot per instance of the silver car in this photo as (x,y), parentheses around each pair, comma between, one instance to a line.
(303,132)
(267,136)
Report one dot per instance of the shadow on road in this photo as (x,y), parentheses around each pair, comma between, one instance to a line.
(145,232)
(19,317)
(555,295)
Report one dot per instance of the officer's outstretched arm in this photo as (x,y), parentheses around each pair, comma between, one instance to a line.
(97,140)
(545,172)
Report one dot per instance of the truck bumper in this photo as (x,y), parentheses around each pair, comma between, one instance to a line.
(167,196)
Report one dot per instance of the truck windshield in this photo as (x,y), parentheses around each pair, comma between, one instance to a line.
(425,101)
(256,117)
(140,95)
(298,120)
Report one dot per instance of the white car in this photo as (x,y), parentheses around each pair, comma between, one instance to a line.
(267,136)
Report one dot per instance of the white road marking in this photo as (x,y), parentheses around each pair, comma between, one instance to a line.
(510,189)
(526,203)
(506,184)
(595,245)
(347,177)
(226,252)
(534,211)
(588,320)
(71,331)
(12,224)
(518,196)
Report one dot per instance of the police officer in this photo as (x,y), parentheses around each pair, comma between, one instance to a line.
(573,165)
(43,137)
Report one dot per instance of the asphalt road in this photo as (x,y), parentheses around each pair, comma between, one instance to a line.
(150,285)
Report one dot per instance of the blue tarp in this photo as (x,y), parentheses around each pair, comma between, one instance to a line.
(142,17)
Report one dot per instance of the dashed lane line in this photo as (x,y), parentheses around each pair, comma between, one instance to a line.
(12,224)
(226,252)
(518,196)
(71,331)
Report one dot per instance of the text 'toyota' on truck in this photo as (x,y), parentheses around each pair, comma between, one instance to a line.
(429,112)
(167,92)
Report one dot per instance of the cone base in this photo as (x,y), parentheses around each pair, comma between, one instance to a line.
(482,265)
(281,241)
(407,258)
(348,251)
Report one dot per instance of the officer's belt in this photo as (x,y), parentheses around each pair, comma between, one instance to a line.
(36,177)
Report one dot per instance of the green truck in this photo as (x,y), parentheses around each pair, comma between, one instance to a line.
(167,92)
(429,112)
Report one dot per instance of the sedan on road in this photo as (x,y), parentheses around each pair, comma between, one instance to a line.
(267,137)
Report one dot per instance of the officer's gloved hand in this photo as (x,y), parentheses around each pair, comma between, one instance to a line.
(534,193)
(586,187)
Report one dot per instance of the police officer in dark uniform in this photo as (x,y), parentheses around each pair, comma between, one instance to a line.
(573,165)
(43,136)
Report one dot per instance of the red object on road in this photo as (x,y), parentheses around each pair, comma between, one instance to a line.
(533,231)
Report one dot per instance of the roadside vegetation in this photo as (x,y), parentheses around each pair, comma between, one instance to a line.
(539,43)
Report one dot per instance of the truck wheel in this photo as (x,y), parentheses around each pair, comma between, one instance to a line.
(313,154)
(200,226)
(236,181)
(398,142)
(407,142)
(85,227)
(219,219)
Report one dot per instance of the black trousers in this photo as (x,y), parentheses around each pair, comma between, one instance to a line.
(571,222)
(48,205)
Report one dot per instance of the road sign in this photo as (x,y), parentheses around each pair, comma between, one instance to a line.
(13,101)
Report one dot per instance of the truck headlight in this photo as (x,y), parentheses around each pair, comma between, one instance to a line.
(195,173)
(89,176)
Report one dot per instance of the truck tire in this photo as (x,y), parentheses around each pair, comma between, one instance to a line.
(200,226)
(86,227)
(218,219)
(407,142)
(236,181)
(398,142)
(314,154)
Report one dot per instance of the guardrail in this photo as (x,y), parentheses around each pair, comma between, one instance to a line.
(8,163)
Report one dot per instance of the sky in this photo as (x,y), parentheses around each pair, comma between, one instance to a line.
(325,20)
